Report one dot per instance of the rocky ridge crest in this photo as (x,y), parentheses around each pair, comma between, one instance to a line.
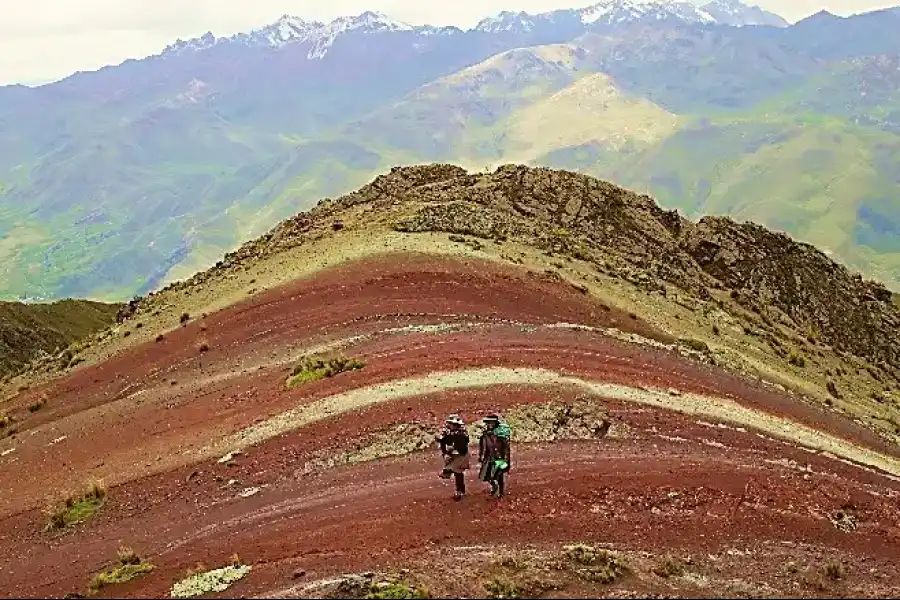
(625,234)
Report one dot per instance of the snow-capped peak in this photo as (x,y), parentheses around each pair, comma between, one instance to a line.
(289,29)
(609,12)
(506,21)
(735,12)
(286,29)
(612,12)
(370,21)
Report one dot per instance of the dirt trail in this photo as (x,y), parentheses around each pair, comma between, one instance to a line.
(693,404)
(720,487)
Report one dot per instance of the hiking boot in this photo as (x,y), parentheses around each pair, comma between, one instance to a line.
(494,488)
(458,496)
(444,474)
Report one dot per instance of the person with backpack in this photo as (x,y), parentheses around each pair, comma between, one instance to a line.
(493,453)
(454,444)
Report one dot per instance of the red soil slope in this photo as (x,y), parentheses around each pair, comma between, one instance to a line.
(140,420)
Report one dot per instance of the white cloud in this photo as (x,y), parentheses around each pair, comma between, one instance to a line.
(48,39)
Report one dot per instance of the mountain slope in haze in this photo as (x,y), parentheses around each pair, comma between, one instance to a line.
(117,181)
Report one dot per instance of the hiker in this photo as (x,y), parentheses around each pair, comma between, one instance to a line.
(454,443)
(493,453)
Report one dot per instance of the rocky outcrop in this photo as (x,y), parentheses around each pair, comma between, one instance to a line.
(631,235)
(820,296)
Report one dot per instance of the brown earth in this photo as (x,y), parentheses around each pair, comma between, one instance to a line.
(153,421)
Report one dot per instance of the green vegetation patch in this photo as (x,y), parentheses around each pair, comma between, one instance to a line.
(669,566)
(217,580)
(315,367)
(390,590)
(596,565)
(129,565)
(500,587)
(77,509)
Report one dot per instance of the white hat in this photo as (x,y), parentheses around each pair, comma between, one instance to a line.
(455,419)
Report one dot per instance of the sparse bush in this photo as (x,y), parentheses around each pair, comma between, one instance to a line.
(696,345)
(138,325)
(127,556)
(502,588)
(834,571)
(204,347)
(399,590)
(669,567)
(797,360)
(582,554)
(185,317)
(581,253)
(37,405)
(715,330)
(160,337)
(77,509)
(127,333)
(832,389)
(599,566)
(5,421)
(313,368)
(735,294)
(514,562)
(129,566)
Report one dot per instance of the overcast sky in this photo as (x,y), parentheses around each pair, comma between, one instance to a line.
(42,40)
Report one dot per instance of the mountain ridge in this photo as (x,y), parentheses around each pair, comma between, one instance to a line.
(293,29)
(787,283)
(159,165)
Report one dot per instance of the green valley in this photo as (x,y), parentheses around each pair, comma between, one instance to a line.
(115,182)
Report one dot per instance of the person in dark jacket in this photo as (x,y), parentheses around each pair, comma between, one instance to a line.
(454,444)
(493,453)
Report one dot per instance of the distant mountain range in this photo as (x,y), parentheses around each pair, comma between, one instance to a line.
(566,22)
(115,181)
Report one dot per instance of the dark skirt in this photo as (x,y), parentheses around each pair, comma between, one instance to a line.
(489,471)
